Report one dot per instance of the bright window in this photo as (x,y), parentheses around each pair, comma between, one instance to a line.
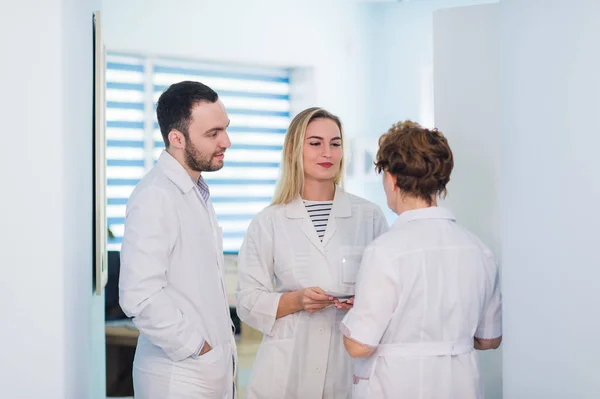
(258,104)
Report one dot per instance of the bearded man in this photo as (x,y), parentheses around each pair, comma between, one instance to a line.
(171,280)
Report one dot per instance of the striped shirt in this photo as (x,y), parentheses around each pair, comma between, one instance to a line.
(319,214)
(203,187)
(205,194)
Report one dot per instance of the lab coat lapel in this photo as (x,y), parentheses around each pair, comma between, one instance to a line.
(177,174)
(297,210)
(341,208)
(329,230)
(308,228)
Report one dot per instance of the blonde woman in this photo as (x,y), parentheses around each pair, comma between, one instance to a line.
(298,263)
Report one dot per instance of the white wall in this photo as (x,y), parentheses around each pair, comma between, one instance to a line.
(550,191)
(467,103)
(53,343)
(402,53)
(400,68)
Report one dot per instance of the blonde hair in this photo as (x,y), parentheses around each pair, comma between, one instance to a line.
(291,180)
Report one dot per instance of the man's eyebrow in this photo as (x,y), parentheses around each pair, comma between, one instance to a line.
(217,128)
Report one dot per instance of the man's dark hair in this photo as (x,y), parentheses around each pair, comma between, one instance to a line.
(174,108)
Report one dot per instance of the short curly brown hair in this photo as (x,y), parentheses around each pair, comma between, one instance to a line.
(420,159)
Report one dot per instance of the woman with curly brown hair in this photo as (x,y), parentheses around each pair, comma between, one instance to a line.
(427,291)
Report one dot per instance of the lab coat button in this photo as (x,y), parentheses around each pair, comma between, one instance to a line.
(318,369)
(321,330)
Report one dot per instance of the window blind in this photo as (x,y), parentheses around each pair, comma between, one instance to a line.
(258,104)
(125,152)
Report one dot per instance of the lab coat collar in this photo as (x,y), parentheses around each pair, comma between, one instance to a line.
(175,172)
(341,206)
(433,212)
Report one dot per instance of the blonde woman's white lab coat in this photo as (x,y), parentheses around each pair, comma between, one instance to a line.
(425,289)
(171,283)
(302,355)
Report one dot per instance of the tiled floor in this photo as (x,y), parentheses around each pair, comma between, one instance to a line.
(247,347)
(250,339)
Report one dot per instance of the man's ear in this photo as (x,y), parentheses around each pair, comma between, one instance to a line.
(176,139)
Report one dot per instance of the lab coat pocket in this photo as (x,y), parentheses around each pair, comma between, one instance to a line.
(271,370)
(363,373)
(213,355)
(212,366)
(207,366)
(284,327)
(201,377)
(351,258)
(360,389)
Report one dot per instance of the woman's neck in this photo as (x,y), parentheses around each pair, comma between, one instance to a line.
(410,203)
(318,190)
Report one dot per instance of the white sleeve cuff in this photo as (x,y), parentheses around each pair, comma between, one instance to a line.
(358,330)
(491,331)
(187,350)
(259,309)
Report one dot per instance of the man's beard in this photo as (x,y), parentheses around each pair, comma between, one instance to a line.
(198,161)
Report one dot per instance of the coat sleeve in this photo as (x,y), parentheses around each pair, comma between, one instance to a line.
(257,301)
(367,321)
(150,234)
(490,327)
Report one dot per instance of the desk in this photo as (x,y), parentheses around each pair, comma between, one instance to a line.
(121,339)
(121,333)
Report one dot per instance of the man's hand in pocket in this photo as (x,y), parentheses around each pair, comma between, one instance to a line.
(205,348)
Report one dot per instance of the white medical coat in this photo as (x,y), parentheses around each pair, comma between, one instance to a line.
(424,290)
(171,283)
(302,355)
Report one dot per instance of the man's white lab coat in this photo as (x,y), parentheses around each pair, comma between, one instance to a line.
(171,283)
